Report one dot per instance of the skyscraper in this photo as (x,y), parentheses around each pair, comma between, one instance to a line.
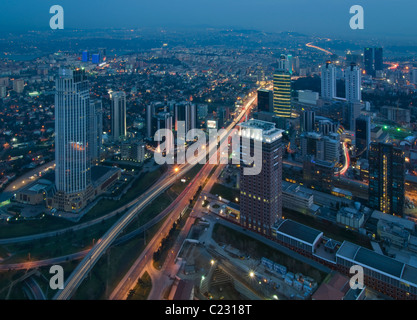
(285,63)
(186,112)
(282,94)
(353,83)
(118,115)
(363,136)
(386,178)
(368,61)
(414,76)
(308,119)
(96,129)
(373,60)
(85,56)
(261,194)
(265,100)
(72,132)
(328,81)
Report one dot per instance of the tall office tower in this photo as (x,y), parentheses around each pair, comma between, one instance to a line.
(285,63)
(265,100)
(185,112)
(102,53)
(149,115)
(351,112)
(18,85)
(72,159)
(378,59)
(95,58)
(85,57)
(312,144)
(332,147)
(282,94)
(414,76)
(368,61)
(328,81)
(386,178)
(308,119)
(363,136)
(162,120)
(261,194)
(296,65)
(373,60)
(96,129)
(353,83)
(118,115)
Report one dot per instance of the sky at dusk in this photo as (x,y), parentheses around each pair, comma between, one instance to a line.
(320,17)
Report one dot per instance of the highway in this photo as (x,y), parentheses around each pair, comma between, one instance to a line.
(85,266)
(79,226)
(144,262)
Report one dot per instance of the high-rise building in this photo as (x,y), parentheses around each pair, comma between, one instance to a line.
(379,59)
(265,100)
(414,76)
(386,178)
(187,113)
(332,147)
(3,91)
(368,61)
(373,60)
(363,136)
(282,94)
(318,174)
(95,58)
(352,110)
(96,129)
(312,143)
(328,81)
(308,119)
(285,63)
(353,83)
(85,56)
(118,115)
(261,194)
(18,85)
(72,159)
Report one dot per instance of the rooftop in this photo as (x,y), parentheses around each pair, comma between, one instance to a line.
(377,261)
(299,231)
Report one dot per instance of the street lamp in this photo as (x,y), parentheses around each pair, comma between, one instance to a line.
(251,274)
(212,262)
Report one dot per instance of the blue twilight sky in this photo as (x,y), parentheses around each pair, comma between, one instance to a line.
(321,17)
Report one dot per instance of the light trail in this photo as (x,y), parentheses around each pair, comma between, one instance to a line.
(310,45)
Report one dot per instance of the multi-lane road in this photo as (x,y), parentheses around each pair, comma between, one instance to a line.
(144,262)
(85,266)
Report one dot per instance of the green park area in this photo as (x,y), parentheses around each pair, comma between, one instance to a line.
(225,192)
(142,288)
(48,223)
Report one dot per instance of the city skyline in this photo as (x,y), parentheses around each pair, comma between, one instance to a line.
(319,17)
(145,158)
